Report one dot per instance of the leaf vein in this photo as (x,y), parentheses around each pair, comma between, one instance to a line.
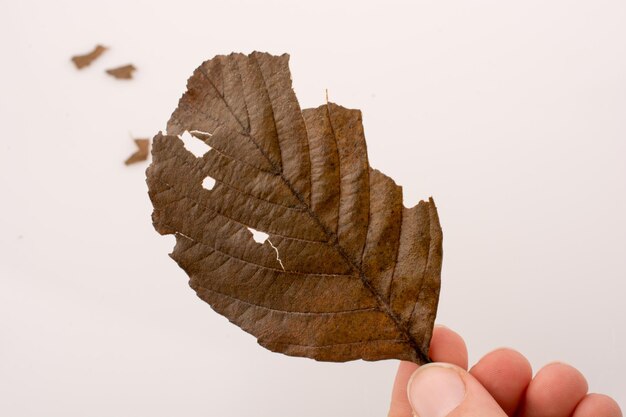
(293,312)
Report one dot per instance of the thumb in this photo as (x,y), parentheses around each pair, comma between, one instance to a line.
(444,390)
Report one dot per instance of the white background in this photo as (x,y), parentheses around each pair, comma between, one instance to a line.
(510,114)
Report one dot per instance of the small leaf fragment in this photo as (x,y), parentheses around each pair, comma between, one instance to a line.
(82,61)
(124,72)
(143,150)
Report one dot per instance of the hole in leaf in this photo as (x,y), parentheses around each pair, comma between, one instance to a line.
(259,237)
(194,145)
(208,183)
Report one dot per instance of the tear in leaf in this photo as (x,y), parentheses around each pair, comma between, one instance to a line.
(347,271)
(122,73)
(81,61)
(143,150)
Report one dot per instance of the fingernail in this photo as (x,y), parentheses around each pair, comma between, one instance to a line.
(435,390)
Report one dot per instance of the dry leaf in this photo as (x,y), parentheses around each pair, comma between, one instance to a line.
(143,149)
(82,61)
(346,271)
(122,73)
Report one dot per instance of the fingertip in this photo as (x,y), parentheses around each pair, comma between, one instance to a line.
(555,391)
(593,405)
(443,389)
(505,373)
(448,346)
(445,346)
(506,355)
(434,390)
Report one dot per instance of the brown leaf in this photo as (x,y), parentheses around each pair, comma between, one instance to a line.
(143,149)
(122,73)
(347,272)
(82,61)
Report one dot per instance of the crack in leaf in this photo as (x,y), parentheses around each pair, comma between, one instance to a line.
(277,254)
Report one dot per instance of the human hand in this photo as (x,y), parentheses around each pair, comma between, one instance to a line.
(499,385)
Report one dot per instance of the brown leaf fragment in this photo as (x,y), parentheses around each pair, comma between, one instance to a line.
(82,61)
(143,149)
(122,73)
(344,271)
